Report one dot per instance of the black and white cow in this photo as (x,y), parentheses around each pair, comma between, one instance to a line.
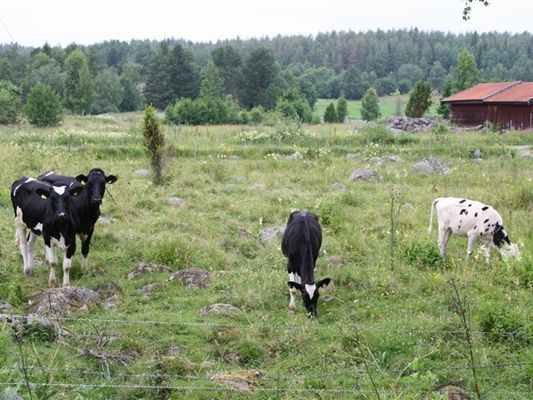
(87,203)
(46,210)
(475,220)
(300,244)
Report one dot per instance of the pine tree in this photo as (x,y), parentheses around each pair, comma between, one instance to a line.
(78,92)
(466,72)
(330,115)
(419,100)
(342,108)
(370,106)
(158,90)
(212,86)
(259,72)
(184,75)
(9,102)
(444,110)
(229,64)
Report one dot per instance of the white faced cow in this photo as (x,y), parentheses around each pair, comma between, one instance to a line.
(87,204)
(48,211)
(475,220)
(300,244)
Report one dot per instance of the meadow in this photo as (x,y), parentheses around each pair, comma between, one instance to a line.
(389,325)
(388,106)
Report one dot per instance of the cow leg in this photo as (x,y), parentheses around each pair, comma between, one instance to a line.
(472,238)
(444,237)
(292,291)
(85,243)
(31,249)
(67,262)
(52,262)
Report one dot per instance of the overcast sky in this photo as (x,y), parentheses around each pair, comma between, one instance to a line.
(34,22)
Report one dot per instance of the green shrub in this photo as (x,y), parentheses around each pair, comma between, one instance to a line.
(330,115)
(257,114)
(440,129)
(421,253)
(204,111)
(43,107)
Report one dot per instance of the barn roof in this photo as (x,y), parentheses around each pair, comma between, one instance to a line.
(521,93)
(503,92)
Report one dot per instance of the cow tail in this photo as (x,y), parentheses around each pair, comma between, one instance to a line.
(431,215)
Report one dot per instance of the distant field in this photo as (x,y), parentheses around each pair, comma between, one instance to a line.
(387,106)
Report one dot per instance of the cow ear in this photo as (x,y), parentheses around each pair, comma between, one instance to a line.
(294,285)
(111,179)
(76,190)
(324,282)
(82,179)
(43,193)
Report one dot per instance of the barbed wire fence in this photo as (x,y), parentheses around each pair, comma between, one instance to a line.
(269,383)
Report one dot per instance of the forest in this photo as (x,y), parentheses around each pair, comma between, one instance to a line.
(117,76)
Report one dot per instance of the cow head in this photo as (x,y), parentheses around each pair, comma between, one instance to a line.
(310,294)
(502,242)
(95,183)
(59,199)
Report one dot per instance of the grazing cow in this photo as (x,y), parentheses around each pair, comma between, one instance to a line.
(475,220)
(300,244)
(46,210)
(87,204)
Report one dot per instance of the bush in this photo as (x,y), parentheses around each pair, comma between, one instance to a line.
(204,111)
(421,253)
(419,100)
(43,107)
(369,106)
(330,115)
(154,142)
(292,104)
(9,102)
(257,114)
(440,129)
(502,325)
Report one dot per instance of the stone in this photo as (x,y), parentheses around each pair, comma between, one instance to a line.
(244,380)
(399,124)
(431,165)
(478,154)
(5,307)
(220,309)
(193,277)
(295,156)
(107,220)
(147,268)
(454,393)
(151,287)
(258,186)
(63,301)
(177,202)
(141,173)
(339,187)
(352,156)
(365,174)
(269,234)
(234,157)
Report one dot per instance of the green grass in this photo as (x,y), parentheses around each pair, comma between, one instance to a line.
(410,337)
(387,106)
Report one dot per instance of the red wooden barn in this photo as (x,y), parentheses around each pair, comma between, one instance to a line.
(509,104)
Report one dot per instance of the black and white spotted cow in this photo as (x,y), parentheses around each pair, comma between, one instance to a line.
(87,203)
(300,244)
(475,220)
(47,211)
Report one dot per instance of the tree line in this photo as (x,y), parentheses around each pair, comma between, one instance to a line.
(223,81)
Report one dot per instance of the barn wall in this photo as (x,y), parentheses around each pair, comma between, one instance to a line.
(509,116)
(469,114)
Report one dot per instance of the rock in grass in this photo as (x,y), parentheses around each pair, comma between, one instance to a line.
(269,234)
(193,277)
(143,268)
(220,309)
(111,293)
(295,156)
(365,174)
(431,165)
(141,173)
(454,393)
(244,380)
(5,307)
(339,187)
(65,300)
(177,202)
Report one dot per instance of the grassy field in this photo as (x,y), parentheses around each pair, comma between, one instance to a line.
(388,325)
(387,105)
